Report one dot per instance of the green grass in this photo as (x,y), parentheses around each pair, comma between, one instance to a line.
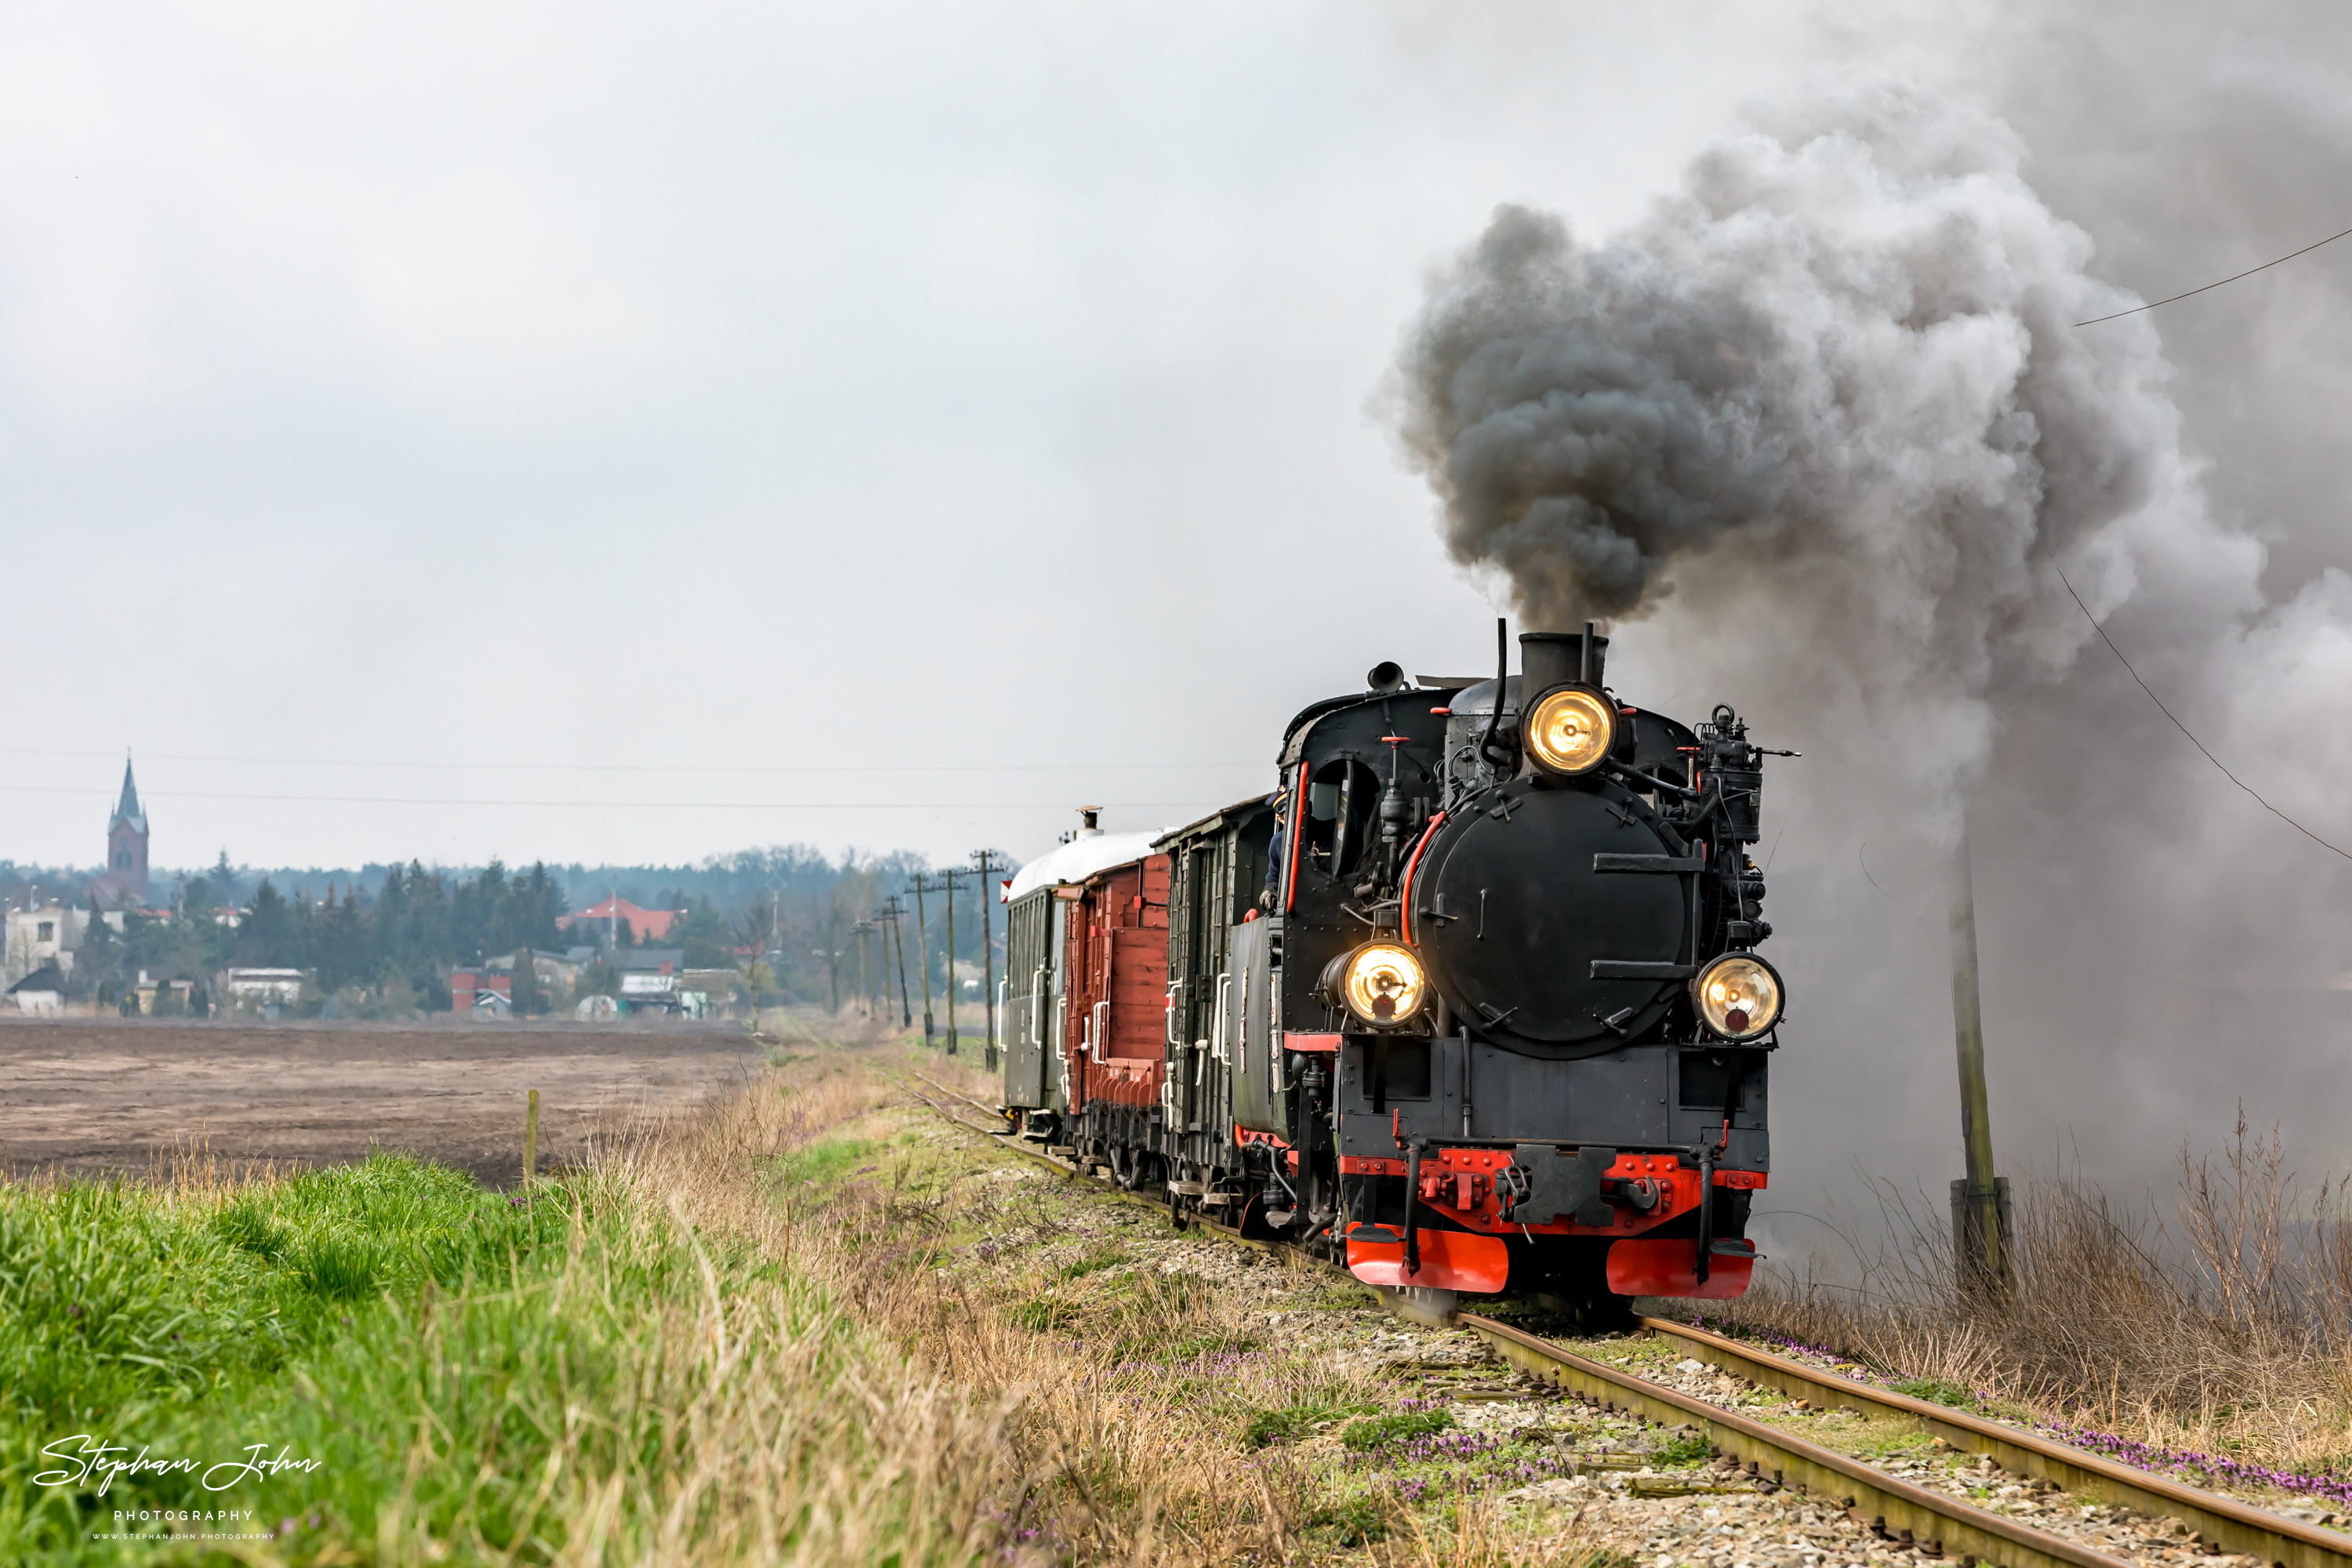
(1218,1341)
(1266,1428)
(462,1369)
(1097,1261)
(1938,1392)
(1373,1431)
(1679,1448)
(1354,1521)
(1131,1315)
(196,1332)
(830,1160)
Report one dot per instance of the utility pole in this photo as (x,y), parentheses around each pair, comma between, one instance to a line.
(861,931)
(985,866)
(905,1008)
(1980,1233)
(954,989)
(923,956)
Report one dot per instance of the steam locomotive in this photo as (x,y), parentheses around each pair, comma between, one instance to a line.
(1471,1000)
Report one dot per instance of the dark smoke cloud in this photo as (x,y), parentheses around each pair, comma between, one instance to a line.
(1840,356)
(1822,425)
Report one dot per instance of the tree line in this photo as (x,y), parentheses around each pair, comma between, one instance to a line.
(787,917)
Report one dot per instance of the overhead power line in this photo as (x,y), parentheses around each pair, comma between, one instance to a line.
(654,767)
(622,805)
(2233,277)
(2177,724)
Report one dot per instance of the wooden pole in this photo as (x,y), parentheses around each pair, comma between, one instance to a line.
(985,867)
(530,1140)
(923,956)
(899,935)
(1979,1217)
(953,990)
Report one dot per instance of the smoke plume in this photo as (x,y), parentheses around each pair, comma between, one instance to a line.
(1822,427)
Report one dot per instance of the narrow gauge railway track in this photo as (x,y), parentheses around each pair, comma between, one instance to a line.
(1913,1515)
(2230,1524)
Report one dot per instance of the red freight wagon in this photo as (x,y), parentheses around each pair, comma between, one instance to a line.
(1115,963)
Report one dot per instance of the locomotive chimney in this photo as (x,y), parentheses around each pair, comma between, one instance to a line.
(1548,658)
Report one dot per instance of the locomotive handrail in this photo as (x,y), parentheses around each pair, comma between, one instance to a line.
(1217,1026)
(1241,1032)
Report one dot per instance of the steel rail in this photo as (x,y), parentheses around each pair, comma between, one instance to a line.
(1910,1514)
(2230,1523)
(1894,1507)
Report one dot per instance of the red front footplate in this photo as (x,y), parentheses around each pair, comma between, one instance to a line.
(1669,1267)
(1450,1259)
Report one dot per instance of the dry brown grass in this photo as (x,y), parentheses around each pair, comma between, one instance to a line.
(2223,1326)
(1119,1395)
(1107,1455)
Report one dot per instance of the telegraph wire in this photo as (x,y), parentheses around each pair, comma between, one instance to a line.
(2177,724)
(652,767)
(2233,276)
(617,805)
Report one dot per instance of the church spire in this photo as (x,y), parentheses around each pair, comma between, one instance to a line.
(128,809)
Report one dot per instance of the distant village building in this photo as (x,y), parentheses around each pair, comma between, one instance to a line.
(42,937)
(604,921)
(555,972)
(482,993)
(41,992)
(159,995)
(265,987)
(124,880)
(650,976)
(47,934)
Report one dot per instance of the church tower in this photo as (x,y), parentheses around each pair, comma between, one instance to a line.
(126,840)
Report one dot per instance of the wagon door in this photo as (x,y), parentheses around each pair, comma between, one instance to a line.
(1249,1029)
(1028,966)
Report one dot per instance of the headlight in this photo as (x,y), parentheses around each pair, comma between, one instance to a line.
(1738,995)
(1381,983)
(1570,729)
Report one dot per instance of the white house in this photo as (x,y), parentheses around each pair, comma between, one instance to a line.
(41,992)
(46,934)
(262,986)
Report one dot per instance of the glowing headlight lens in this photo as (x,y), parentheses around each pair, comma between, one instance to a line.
(1384,983)
(1571,730)
(1738,996)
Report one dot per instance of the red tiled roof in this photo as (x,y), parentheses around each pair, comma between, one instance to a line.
(648,924)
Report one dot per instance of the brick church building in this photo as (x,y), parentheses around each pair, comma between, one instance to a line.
(124,880)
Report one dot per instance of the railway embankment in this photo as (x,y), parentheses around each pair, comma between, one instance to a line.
(835,1318)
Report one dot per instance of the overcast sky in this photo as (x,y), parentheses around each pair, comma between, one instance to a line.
(450,404)
(438,431)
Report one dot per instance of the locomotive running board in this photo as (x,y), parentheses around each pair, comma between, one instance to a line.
(1450,1260)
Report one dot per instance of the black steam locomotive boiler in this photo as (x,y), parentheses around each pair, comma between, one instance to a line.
(1472,999)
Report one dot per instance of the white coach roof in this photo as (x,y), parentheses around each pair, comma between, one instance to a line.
(1081,858)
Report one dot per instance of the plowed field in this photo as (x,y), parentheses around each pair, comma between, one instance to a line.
(92,1096)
